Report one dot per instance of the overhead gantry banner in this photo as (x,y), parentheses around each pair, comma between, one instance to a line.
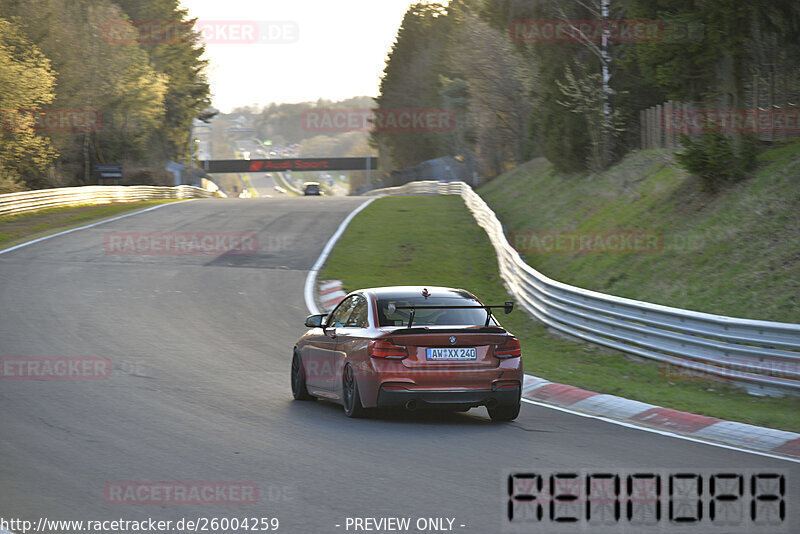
(292,164)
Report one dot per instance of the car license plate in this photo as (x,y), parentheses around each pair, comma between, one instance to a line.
(454,353)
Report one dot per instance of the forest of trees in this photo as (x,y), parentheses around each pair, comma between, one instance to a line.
(513,95)
(576,101)
(283,125)
(73,94)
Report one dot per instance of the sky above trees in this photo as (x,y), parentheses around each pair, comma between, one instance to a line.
(338,51)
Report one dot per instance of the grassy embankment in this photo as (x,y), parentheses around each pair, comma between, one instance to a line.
(739,242)
(736,253)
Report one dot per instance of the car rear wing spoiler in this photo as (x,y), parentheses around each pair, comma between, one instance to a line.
(508,307)
(450,330)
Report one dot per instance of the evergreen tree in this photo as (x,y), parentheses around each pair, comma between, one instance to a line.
(26,84)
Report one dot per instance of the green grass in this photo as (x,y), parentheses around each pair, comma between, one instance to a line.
(736,253)
(435,241)
(15,229)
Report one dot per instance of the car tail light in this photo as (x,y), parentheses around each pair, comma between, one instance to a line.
(510,349)
(386,349)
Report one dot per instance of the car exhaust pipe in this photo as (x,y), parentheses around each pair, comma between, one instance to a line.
(411,405)
(491,404)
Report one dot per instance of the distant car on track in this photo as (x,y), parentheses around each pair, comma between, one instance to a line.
(410,347)
(312,189)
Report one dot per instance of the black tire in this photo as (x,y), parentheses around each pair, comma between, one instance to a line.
(502,413)
(299,390)
(351,399)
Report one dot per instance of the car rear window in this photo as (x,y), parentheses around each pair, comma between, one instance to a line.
(424,317)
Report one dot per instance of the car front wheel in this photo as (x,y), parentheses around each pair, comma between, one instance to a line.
(299,390)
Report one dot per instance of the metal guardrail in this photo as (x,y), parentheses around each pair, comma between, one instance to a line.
(762,355)
(14,203)
(423,187)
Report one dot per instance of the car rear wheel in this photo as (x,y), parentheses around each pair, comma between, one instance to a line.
(352,399)
(299,390)
(507,412)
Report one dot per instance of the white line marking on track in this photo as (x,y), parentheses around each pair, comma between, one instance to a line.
(663,432)
(98,223)
(311,279)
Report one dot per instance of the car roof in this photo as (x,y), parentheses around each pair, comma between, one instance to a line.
(401,292)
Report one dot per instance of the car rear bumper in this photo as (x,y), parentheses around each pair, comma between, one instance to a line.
(456,398)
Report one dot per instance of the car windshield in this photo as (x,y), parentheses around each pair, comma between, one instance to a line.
(426,317)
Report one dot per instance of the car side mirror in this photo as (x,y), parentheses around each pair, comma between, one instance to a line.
(316,321)
(508,307)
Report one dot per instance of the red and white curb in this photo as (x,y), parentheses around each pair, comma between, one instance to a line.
(330,293)
(641,414)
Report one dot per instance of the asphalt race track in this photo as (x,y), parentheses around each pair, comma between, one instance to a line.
(201,346)
(265,186)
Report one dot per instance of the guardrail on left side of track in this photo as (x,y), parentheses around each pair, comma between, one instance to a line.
(14,203)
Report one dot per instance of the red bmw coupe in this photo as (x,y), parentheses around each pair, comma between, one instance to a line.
(410,347)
